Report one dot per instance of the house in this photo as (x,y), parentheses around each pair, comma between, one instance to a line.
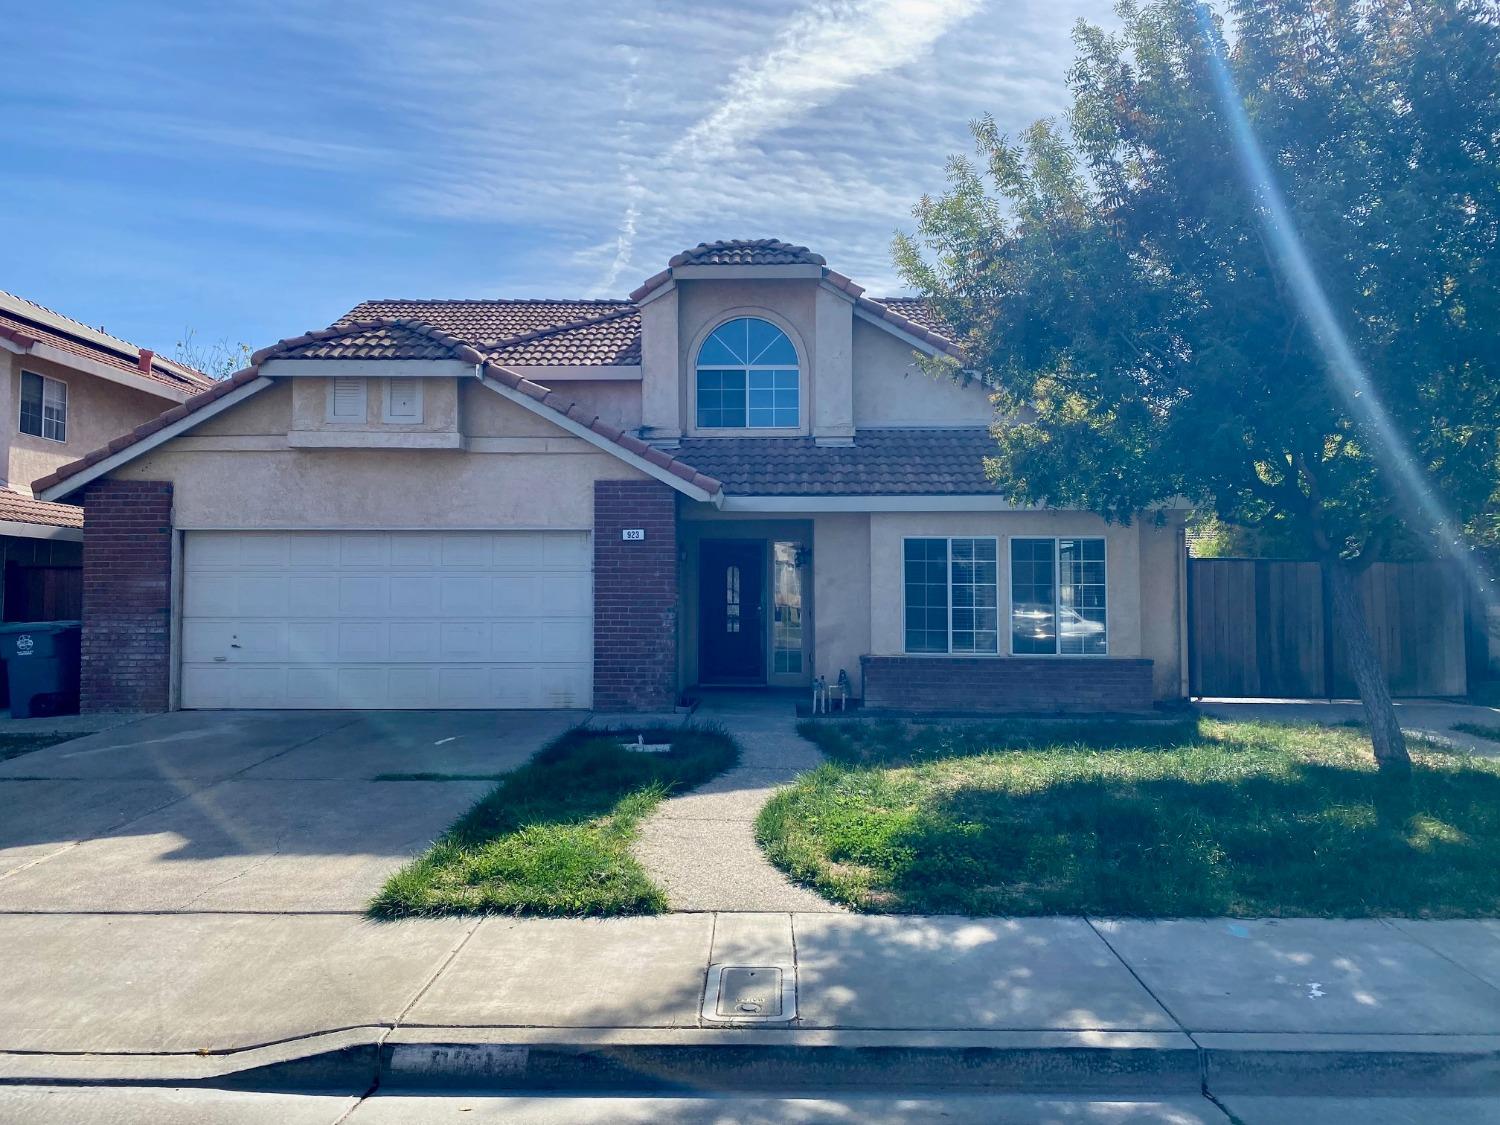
(64,388)
(736,476)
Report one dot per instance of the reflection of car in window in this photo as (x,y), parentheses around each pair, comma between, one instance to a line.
(1033,620)
(1075,624)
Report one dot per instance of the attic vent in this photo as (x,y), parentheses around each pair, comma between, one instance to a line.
(403,400)
(346,400)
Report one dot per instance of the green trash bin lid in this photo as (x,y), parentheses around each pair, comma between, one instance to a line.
(39,626)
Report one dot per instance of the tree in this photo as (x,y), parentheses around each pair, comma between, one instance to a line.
(218,360)
(1141,288)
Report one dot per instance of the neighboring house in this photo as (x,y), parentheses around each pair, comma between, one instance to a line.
(65,388)
(738,476)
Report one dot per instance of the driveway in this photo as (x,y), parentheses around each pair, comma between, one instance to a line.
(291,811)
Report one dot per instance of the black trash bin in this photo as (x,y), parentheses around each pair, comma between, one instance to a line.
(41,663)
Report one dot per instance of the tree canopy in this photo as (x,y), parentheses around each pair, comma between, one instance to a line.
(1111,275)
(1122,278)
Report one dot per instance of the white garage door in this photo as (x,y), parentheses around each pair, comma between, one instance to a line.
(386,619)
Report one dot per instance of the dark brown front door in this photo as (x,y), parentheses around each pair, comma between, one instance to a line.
(730,624)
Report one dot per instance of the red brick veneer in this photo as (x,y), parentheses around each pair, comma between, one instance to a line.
(956,683)
(635,596)
(127,595)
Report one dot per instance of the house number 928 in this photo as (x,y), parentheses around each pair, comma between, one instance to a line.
(633,534)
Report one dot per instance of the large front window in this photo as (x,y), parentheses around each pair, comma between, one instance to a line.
(952,600)
(747,378)
(1057,597)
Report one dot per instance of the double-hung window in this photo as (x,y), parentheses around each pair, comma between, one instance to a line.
(952,602)
(44,406)
(1057,597)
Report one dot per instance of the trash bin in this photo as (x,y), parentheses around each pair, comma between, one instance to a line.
(41,663)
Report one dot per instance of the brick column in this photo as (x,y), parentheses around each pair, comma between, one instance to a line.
(635,596)
(127,596)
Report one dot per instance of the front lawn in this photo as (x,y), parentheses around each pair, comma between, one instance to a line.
(554,836)
(1487,731)
(14,745)
(1182,819)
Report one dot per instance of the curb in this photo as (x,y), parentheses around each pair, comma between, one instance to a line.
(722,1060)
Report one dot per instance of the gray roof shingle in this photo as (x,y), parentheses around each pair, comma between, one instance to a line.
(748,252)
(929,461)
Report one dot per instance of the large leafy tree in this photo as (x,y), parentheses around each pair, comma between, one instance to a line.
(1256,266)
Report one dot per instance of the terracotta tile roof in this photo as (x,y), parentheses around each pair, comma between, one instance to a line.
(25,322)
(482,322)
(881,462)
(609,340)
(370,340)
(917,310)
(15,508)
(748,252)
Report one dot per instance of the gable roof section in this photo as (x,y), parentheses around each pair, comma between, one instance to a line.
(933,461)
(26,323)
(538,399)
(748,252)
(486,321)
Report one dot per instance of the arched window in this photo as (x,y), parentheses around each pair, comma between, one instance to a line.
(747,377)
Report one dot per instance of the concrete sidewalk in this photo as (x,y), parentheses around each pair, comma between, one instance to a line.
(1247,1006)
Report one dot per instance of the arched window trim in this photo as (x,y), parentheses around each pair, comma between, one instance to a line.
(773,394)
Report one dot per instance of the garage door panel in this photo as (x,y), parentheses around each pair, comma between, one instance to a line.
(387,619)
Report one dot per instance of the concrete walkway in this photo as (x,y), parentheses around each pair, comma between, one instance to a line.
(1259,1007)
(700,847)
(1432,717)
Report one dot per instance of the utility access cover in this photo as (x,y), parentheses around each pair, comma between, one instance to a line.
(749,994)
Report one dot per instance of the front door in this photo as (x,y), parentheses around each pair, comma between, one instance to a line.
(730,624)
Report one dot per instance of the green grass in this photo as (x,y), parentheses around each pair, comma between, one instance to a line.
(1185,819)
(1479,730)
(553,838)
(14,745)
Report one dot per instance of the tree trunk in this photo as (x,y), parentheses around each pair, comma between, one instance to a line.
(1369,676)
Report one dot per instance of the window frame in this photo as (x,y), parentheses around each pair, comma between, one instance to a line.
(803,413)
(331,413)
(417,398)
(1057,585)
(949,651)
(21,401)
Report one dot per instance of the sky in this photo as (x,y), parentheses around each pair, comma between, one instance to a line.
(245,171)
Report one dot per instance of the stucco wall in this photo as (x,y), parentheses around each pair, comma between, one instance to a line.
(98,412)
(841,586)
(236,471)
(890,390)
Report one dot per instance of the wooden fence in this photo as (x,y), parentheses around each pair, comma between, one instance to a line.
(1264,627)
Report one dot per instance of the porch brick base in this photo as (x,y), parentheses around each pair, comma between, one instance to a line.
(127,596)
(944,683)
(635,597)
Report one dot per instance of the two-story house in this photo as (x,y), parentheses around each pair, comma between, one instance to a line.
(736,476)
(65,388)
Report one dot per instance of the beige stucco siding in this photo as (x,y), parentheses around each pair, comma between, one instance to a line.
(236,470)
(891,390)
(98,412)
(841,593)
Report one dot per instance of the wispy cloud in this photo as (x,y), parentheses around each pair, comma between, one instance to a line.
(819,55)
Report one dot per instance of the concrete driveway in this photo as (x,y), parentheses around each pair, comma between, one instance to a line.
(266,811)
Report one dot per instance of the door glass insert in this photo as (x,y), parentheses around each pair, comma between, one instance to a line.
(786,639)
(731,599)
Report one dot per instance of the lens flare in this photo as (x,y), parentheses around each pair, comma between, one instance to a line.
(1349,376)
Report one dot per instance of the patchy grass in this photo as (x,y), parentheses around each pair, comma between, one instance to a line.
(1479,730)
(554,836)
(14,745)
(1188,818)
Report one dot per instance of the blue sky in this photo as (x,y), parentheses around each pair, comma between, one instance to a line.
(251,170)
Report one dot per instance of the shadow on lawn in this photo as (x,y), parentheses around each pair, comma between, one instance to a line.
(1167,823)
(553,837)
